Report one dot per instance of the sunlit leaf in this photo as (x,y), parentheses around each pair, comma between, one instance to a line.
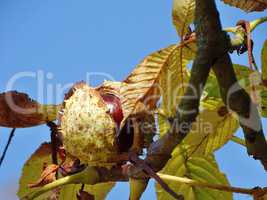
(252,82)
(173,83)
(142,84)
(264,62)
(141,90)
(213,128)
(212,87)
(249,79)
(19,110)
(248,5)
(33,169)
(48,176)
(137,188)
(198,168)
(99,191)
(183,15)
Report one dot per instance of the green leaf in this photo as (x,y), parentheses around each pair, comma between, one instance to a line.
(246,78)
(263,107)
(137,187)
(99,191)
(212,88)
(183,15)
(33,168)
(264,61)
(197,168)
(213,128)
(32,171)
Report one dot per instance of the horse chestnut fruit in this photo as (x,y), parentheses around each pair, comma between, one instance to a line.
(87,129)
(90,125)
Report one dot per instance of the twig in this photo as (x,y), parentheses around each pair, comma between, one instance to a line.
(91,176)
(54,141)
(87,176)
(239,141)
(253,191)
(240,38)
(7,145)
(142,164)
(257,22)
(211,45)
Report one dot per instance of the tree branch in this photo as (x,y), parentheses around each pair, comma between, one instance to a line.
(94,175)
(238,100)
(211,45)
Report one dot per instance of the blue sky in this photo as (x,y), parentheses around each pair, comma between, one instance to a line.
(68,39)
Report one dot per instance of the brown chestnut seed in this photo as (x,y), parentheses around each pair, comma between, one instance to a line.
(114,105)
(125,135)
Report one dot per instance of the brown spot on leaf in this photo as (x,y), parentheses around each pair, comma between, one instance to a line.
(48,175)
(85,196)
(222,111)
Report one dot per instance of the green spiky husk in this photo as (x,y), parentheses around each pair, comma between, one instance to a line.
(88,131)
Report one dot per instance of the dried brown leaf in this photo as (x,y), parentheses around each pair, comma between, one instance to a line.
(248,5)
(18,110)
(33,168)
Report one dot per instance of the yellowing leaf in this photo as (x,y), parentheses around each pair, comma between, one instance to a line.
(141,90)
(33,169)
(99,191)
(173,83)
(142,84)
(264,62)
(198,168)
(183,15)
(18,110)
(213,128)
(137,188)
(48,176)
(248,5)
